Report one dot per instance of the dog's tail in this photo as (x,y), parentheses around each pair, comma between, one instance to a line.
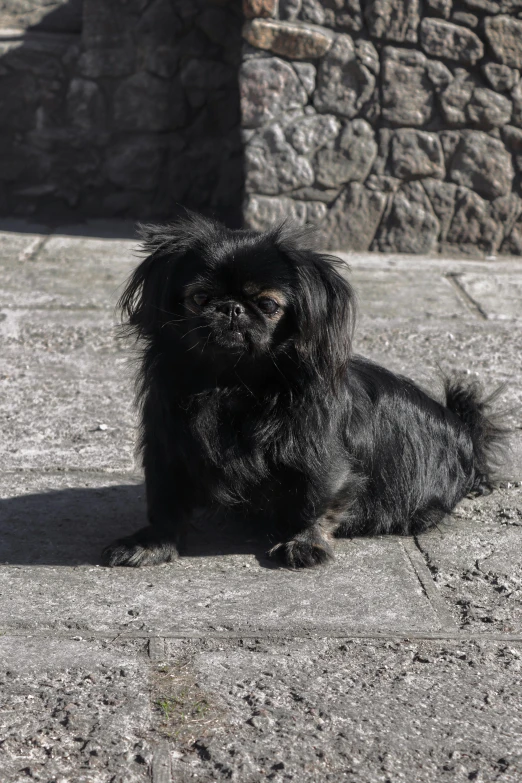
(488,433)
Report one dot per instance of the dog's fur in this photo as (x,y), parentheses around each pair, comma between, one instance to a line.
(266,410)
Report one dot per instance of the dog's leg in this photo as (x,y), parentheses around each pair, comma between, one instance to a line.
(159,542)
(310,519)
(311,547)
(146,547)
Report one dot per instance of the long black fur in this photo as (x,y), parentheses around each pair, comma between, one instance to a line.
(273,414)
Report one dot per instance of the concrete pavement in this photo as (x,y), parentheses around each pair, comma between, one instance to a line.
(402,660)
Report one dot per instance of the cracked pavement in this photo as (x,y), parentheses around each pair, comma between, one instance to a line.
(401,660)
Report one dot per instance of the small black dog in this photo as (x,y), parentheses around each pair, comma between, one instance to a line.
(252,399)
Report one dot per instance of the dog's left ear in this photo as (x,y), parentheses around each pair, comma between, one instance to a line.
(325,307)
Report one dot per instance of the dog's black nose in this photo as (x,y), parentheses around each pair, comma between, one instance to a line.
(232,309)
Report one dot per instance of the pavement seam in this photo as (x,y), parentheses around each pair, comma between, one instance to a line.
(416,558)
(161,767)
(156,649)
(272,634)
(471,304)
(33,249)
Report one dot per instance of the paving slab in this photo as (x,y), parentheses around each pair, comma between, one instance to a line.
(475,562)
(371,587)
(74,708)
(62,374)
(387,293)
(65,272)
(65,519)
(351,710)
(497,296)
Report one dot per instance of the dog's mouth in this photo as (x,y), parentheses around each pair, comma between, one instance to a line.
(231,338)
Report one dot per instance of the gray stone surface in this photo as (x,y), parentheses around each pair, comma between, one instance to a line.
(504,35)
(354,217)
(219,592)
(407,97)
(393,20)
(253,672)
(74,708)
(475,562)
(351,159)
(482,163)
(446,711)
(273,165)
(497,296)
(308,134)
(410,225)
(269,87)
(344,82)
(450,41)
(416,154)
(487,109)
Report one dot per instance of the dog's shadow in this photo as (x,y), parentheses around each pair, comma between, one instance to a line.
(70,527)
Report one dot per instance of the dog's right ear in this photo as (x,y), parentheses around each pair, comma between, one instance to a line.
(145,302)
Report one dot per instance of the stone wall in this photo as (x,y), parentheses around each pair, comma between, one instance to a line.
(394,125)
(120,107)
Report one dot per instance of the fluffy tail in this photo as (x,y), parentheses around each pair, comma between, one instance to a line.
(489,436)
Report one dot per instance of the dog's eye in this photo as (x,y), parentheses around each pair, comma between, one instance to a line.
(267,305)
(200,298)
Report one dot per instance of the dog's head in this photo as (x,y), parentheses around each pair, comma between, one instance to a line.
(224,294)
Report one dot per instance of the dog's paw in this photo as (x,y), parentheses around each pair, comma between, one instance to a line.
(302,553)
(142,549)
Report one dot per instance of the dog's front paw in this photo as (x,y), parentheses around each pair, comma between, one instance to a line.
(302,552)
(143,548)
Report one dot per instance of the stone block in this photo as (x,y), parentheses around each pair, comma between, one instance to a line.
(487,109)
(512,138)
(349,16)
(269,87)
(353,219)
(456,97)
(441,7)
(259,8)
(483,164)
(442,198)
(313,11)
(135,163)
(393,20)
(344,83)
(86,105)
(289,9)
(272,165)
(352,158)
(450,41)
(407,92)
(463,18)
(298,42)
(500,76)
(504,35)
(262,213)
(108,61)
(473,224)
(307,74)
(410,225)
(308,134)
(416,154)
(146,103)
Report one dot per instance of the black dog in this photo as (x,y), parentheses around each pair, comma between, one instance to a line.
(251,399)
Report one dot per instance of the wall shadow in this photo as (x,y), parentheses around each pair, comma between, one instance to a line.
(71,527)
(122,110)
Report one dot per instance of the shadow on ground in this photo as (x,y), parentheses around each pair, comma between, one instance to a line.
(71,527)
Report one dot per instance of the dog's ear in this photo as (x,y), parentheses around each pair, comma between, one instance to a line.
(325,308)
(145,301)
